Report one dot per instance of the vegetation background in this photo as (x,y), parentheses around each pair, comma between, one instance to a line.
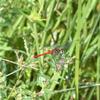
(31,27)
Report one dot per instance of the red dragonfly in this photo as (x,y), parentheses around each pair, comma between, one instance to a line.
(61,61)
(52,52)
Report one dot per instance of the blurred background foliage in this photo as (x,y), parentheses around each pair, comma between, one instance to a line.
(30,27)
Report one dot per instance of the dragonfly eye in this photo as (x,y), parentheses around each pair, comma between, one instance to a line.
(58,51)
(61,51)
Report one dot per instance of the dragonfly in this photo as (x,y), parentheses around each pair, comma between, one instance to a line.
(54,51)
(61,61)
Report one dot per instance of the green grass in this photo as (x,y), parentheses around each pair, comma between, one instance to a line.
(31,27)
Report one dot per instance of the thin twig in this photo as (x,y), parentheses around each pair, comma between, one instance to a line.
(9,61)
(72,89)
(23,66)
(13,72)
(14,87)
